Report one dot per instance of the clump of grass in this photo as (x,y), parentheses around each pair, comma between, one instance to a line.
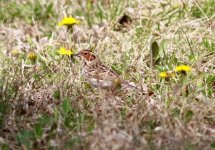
(204,9)
(29,12)
(13,10)
(45,103)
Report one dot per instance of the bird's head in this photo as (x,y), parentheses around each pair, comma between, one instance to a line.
(87,56)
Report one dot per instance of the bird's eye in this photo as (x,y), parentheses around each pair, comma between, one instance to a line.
(85,53)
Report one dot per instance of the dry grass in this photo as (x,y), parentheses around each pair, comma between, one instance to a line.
(46,104)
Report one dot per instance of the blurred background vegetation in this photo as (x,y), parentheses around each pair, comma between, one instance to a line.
(45,103)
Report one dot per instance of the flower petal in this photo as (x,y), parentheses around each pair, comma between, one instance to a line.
(182,68)
(67,21)
(64,51)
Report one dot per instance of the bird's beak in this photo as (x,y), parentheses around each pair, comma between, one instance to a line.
(78,55)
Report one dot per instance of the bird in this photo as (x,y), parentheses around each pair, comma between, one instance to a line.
(98,74)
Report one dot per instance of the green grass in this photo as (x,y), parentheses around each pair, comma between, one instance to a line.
(29,13)
(47,104)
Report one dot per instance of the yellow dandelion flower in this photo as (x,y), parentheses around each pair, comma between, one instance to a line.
(68,21)
(64,51)
(32,56)
(163,75)
(166,75)
(182,68)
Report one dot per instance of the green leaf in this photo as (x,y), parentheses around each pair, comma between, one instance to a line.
(3,110)
(176,112)
(213,144)
(38,130)
(66,106)
(188,115)
(116,69)
(67,121)
(3,107)
(154,52)
(24,138)
(45,119)
(56,94)
(210,79)
(5,147)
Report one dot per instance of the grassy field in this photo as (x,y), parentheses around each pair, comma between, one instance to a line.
(45,103)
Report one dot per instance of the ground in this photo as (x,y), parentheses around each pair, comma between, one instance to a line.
(45,103)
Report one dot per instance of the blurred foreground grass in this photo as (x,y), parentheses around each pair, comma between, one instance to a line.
(45,103)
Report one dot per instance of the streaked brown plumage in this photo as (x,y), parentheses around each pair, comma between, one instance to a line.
(99,75)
